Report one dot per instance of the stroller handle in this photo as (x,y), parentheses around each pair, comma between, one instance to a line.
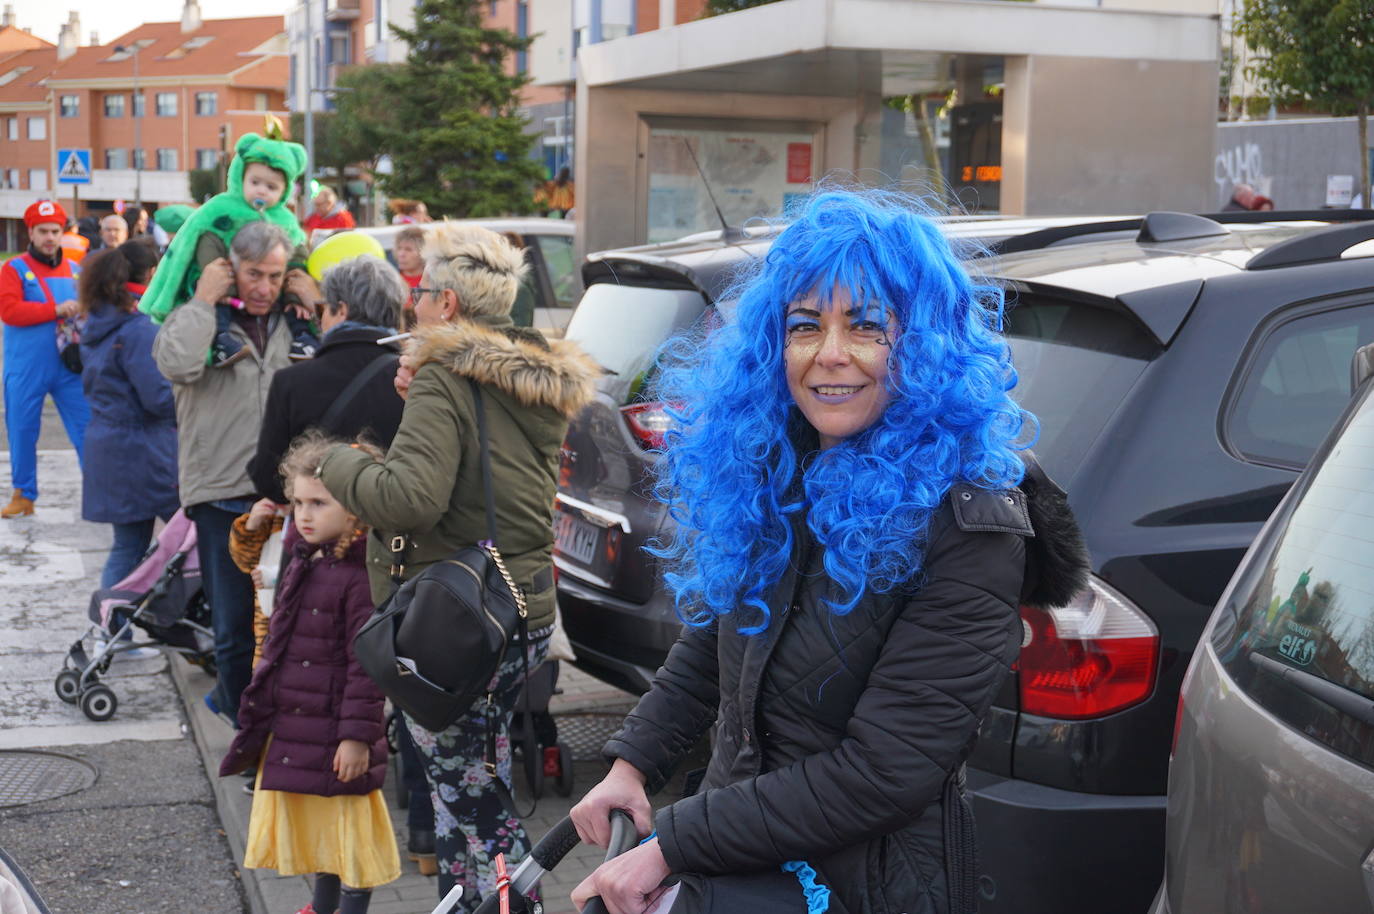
(556,845)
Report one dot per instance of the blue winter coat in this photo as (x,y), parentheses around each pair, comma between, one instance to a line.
(129,469)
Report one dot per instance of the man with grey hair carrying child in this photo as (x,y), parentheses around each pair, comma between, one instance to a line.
(218,414)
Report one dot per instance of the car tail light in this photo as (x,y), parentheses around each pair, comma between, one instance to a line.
(648,422)
(1091,658)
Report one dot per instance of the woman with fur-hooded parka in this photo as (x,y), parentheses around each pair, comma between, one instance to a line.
(430,491)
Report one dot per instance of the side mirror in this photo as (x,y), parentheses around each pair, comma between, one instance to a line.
(1361,366)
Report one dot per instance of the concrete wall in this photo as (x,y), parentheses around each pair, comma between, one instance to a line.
(611,173)
(1287,161)
(1099,136)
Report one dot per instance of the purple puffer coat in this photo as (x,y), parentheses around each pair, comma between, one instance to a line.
(308,691)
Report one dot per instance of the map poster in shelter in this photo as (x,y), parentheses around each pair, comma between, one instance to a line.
(752,174)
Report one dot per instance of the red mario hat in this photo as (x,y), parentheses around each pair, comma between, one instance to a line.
(45,211)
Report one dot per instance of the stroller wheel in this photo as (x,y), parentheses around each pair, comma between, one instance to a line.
(99,702)
(68,686)
(564,782)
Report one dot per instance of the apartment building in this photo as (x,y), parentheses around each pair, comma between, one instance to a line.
(155,103)
(565,27)
(344,33)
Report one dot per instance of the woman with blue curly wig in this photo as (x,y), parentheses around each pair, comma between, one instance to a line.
(857,523)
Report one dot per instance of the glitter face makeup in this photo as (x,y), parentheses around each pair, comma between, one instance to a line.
(835,356)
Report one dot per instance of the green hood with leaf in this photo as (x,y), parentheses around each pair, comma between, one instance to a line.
(224,214)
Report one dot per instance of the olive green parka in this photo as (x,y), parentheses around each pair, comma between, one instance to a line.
(430,486)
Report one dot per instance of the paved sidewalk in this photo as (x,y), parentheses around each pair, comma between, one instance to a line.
(587,712)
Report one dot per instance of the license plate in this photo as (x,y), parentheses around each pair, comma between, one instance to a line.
(576,539)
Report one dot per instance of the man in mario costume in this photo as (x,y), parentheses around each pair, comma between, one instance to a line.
(38,306)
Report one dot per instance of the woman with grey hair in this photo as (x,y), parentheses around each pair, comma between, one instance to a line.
(429,495)
(346,390)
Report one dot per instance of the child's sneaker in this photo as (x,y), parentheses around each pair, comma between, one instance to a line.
(303,347)
(226,350)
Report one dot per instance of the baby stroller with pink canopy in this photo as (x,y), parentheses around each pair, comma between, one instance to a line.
(162,598)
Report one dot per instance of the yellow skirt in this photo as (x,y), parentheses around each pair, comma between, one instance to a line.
(299,833)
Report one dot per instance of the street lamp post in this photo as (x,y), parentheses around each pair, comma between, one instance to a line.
(138,127)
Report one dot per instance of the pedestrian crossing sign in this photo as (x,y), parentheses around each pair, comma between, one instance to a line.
(73,166)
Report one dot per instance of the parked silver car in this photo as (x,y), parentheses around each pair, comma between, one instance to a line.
(1271,788)
(552,286)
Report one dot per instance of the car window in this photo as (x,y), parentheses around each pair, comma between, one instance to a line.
(1306,599)
(1074,365)
(558,257)
(622,327)
(1296,385)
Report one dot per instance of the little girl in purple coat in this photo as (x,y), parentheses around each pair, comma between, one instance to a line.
(311,719)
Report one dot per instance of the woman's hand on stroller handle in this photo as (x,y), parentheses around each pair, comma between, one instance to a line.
(628,884)
(622,788)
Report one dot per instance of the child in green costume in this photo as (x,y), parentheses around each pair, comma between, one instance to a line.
(261,173)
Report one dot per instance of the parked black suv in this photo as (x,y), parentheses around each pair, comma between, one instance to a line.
(1183,368)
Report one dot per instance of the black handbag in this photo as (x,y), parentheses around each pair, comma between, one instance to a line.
(435,645)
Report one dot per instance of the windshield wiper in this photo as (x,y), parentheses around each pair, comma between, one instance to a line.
(1347,701)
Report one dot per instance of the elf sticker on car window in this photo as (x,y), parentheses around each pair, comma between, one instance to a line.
(1299,644)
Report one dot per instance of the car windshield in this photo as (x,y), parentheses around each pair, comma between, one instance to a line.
(1305,601)
(1075,364)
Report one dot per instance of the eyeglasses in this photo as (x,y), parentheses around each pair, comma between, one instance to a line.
(416,292)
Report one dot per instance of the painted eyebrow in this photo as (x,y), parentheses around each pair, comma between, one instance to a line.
(809,312)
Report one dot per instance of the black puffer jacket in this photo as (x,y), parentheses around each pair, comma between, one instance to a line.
(840,739)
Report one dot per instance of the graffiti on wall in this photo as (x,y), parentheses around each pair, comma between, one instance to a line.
(1241,164)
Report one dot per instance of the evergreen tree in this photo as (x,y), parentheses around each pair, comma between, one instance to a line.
(460,143)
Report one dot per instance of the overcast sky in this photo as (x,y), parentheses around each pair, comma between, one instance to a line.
(45,17)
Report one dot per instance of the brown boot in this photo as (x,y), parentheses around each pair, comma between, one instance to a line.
(19,506)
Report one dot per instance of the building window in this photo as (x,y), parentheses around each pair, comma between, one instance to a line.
(260,101)
(38,128)
(166,160)
(522,30)
(38,179)
(114,106)
(140,157)
(207,159)
(139,104)
(9,178)
(166,103)
(116,158)
(12,128)
(207,103)
(340,48)
(70,105)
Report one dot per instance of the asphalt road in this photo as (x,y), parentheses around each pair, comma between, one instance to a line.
(146,837)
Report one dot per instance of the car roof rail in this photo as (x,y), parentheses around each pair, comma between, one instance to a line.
(1034,241)
(1170,226)
(1313,247)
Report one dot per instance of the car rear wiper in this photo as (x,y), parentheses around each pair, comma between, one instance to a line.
(1337,696)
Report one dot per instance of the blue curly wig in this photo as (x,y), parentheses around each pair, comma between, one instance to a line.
(740,462)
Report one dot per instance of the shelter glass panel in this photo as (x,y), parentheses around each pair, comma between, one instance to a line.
(752,169)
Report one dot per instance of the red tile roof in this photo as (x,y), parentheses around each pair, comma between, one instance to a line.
(167,51)
(27,85)
(16,39)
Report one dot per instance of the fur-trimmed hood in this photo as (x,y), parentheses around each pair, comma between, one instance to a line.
(1057,562)
(518,361)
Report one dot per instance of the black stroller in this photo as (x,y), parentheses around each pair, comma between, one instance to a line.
(162,597)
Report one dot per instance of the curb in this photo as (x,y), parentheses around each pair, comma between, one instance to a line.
(231,819)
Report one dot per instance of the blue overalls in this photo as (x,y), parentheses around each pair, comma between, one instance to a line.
(33,370)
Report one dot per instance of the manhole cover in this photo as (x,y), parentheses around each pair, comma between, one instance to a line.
(586,734)
(29,777)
